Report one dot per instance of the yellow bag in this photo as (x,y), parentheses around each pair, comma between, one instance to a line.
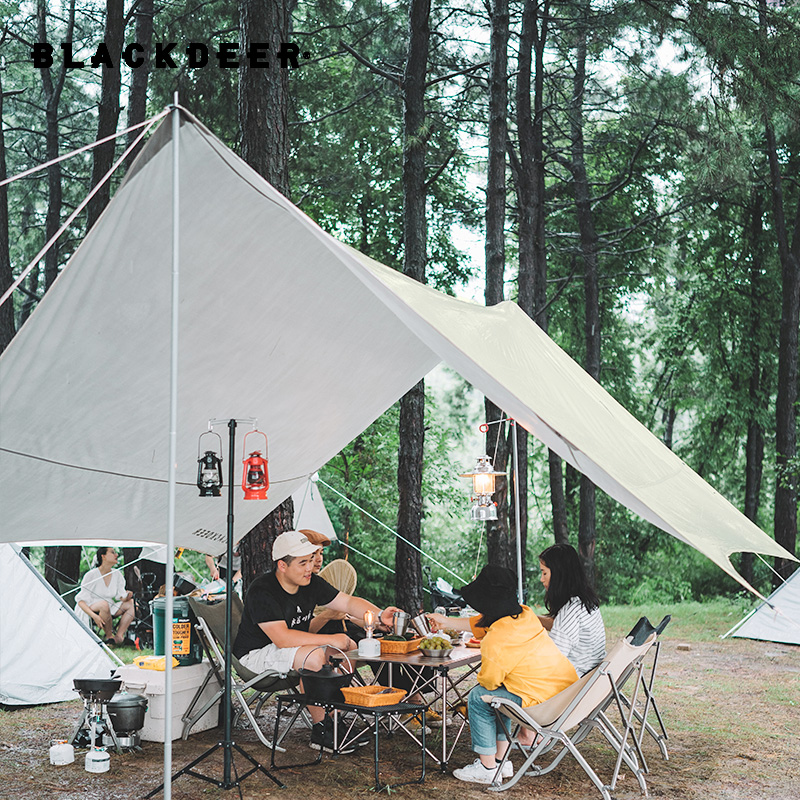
(154,662)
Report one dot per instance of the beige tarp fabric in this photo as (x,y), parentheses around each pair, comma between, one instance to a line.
(281,322)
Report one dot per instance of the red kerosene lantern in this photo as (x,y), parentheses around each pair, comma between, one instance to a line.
(255,477)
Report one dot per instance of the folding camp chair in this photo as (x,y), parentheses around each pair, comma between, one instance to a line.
(211,629)
(569,717)
(638,635)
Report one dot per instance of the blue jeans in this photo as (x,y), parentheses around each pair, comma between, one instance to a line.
(483,724)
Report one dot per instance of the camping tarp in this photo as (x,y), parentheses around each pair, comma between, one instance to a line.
(281,322)
(42,644)
(777,620)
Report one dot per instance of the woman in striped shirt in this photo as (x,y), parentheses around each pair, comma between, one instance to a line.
(573,611)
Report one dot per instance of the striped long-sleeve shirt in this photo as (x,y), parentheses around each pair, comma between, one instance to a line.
(580,635)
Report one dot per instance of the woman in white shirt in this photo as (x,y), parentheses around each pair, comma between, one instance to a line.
(573,615)
(103,596)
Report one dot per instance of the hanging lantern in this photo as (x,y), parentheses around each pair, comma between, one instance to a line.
(483,478)
(255,476)
(209,468)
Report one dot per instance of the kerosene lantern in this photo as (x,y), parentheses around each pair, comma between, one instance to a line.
(483,477)
(209,468)
(255,476)
(369,647)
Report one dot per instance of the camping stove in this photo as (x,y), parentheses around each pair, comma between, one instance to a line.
(95,723)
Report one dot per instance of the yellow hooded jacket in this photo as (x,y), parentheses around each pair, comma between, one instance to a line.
(517,653)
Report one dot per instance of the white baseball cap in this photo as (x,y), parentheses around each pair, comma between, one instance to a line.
(292,543)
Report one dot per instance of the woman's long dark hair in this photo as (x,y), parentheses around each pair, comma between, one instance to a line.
(567,579)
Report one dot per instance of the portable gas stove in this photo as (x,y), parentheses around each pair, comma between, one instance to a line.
(95,724)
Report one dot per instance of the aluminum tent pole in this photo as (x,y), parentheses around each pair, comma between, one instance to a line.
(173,448)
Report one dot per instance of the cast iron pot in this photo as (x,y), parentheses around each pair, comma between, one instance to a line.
(127,712)
(325,686)
(102,689)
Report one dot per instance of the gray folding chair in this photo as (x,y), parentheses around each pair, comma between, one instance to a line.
(569,717)
(249,691)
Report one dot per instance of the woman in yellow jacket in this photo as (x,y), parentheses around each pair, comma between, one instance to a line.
(519,661)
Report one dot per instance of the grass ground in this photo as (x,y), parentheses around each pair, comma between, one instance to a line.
(731,707)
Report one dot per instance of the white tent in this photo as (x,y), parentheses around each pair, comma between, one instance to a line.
(310,511)
(777,620)
(281,322)
(42,644)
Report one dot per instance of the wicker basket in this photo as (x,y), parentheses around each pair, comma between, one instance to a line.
(399,647)
(372,695)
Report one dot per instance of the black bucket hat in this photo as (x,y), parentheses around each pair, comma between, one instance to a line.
(493,593)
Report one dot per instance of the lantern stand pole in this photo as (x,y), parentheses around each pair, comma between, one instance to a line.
(517,512)
(227,744)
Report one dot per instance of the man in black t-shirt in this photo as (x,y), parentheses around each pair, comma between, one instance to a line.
(278,608)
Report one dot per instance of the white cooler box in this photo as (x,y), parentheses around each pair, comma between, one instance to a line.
(185,682)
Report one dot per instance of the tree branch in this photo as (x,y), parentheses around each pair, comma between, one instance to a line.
(459,72)
(394,78)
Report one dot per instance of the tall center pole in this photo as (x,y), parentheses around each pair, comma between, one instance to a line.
(228,606)
(173,451)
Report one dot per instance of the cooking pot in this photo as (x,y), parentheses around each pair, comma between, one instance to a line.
(99,688)
(127,712)
(325,686)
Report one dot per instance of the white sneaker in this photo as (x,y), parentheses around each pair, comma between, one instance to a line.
(508,770)
(475,773)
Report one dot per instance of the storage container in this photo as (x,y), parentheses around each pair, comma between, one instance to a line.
(186,681)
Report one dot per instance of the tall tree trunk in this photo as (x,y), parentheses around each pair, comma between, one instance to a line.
(137,97)
(588,239)
(754,448)
(108,110)
(500,546)
(52,97)
(786,399)
(264,93)
(530,189)
(6,275)
(408,569)
(263,114)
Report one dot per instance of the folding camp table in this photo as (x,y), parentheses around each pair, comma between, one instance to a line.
(445,686)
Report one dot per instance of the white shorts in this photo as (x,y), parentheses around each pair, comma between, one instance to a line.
(271,657)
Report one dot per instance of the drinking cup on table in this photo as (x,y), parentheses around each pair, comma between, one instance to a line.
(400,621)
(421,624)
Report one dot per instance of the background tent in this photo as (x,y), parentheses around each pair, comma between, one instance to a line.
(281,322)
(771,625)
(310,511)
(42,644)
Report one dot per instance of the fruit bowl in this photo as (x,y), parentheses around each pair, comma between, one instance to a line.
(436,653)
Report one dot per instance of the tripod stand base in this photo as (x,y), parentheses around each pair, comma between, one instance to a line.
(227,782)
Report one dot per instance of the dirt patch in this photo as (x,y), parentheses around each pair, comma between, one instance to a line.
(732,710)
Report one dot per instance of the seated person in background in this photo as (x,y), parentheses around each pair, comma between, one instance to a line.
(342,576)
(103,596)
(518,661)
(278,607)
(573,615)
